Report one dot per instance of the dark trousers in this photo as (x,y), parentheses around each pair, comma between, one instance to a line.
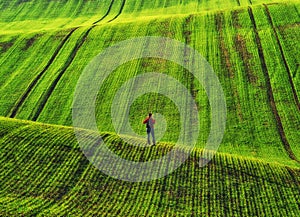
(151,131)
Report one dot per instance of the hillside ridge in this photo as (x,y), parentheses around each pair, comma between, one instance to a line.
(47,174)
(19,125)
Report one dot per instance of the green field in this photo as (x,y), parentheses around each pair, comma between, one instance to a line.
(253,47)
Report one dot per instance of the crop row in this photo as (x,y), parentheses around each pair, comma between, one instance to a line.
(25,55)
(32,91)
(64,182)
(226,40)
(134,9)
(37,15)
(285,96)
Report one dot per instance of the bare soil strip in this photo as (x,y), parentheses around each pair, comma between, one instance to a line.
(283,57)
(283,138)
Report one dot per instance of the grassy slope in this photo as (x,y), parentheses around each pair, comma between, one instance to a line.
(226,38)
(34,15)
(47,174)
(17,16)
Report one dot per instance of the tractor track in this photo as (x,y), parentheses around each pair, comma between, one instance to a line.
(107,12)
(279,125)
(296,9)
(31,86)
(50,90)
(120,11)
(21,101)
(283,57)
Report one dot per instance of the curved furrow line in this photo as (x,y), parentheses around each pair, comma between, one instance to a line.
(283,57)
(187,34)
(296,70)
(65,201)
(227,63)
(107,12)
(142,196)
(10,49)
(46,95)
(29,173)
(120,11)
(22,203)
(22,99)
(105,188)
(74,175)
(296,9)
(9,175)
(279,125)
(295,177)
(73,168)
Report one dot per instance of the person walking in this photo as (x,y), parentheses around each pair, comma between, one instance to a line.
(150,121)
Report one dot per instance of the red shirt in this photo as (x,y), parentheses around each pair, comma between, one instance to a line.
(152,122)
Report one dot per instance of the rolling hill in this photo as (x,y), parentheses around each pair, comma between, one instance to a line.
(252,47)
(45,173)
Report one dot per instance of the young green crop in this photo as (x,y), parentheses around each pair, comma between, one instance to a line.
(36,15)
(251,45)
(63,182)
(227,41)
(28,54)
